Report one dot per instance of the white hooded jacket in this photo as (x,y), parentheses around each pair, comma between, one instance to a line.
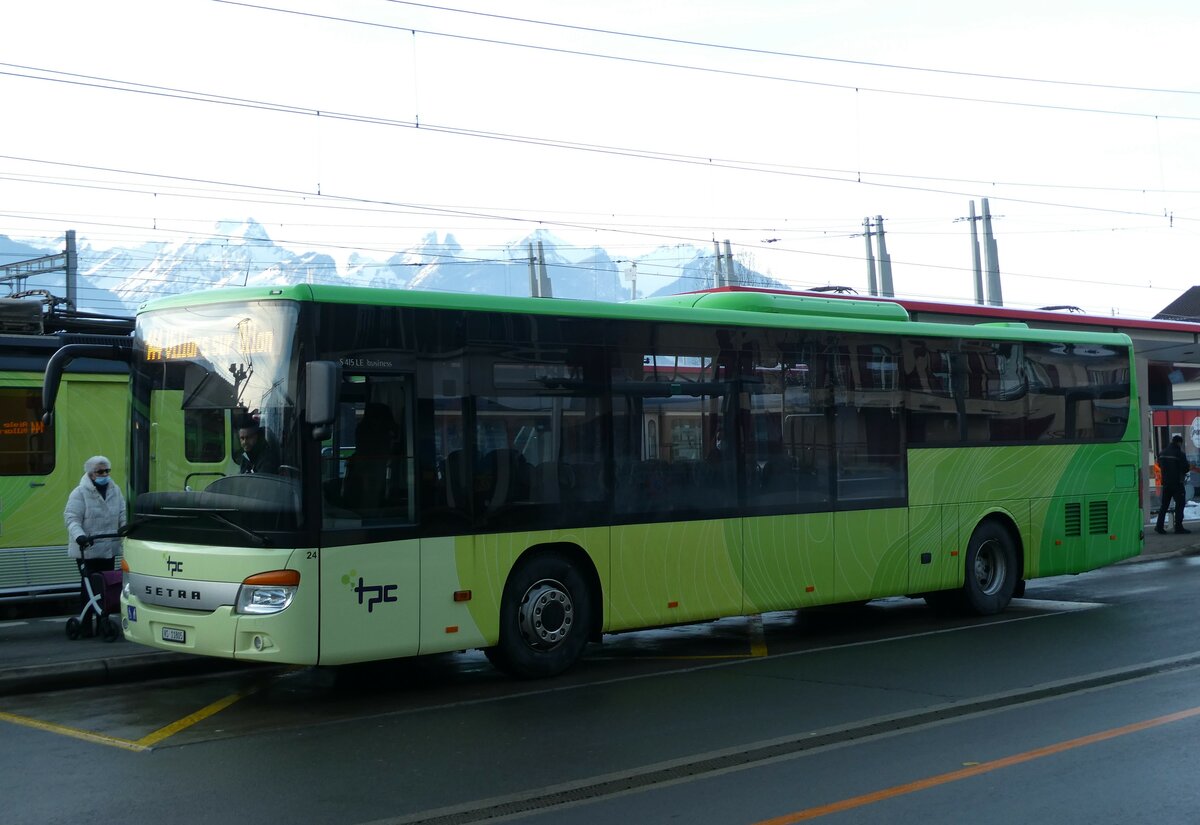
(88,514)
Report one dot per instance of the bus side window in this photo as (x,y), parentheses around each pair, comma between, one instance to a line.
(28,444)
(444,470)
(788,446)
(368,475)
(868,421)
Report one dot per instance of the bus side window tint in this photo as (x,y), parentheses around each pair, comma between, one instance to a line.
(1077,392)
(673,436)
(994,403)
(787,450)
(930,404)
(445,474)
(868,418)
(1107,379)
(368,473)
(537,437)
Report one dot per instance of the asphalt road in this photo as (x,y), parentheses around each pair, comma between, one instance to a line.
(1079,703)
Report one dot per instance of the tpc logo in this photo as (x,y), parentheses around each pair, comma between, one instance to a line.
(173,566)
(376,593)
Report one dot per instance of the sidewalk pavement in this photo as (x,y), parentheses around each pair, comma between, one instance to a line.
(36,655)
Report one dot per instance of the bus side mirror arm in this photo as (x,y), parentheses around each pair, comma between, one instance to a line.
(119,350)
(322,379)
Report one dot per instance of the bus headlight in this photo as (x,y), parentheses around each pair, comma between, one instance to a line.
(267,592)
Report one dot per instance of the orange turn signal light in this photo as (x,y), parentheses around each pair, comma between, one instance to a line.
(286,578)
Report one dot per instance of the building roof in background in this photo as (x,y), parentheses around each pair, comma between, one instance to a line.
(1184,308)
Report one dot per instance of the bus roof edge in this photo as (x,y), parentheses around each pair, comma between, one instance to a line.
(803,305)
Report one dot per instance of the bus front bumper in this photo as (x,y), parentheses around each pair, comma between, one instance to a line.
(287,637)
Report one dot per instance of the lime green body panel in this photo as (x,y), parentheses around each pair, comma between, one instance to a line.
(91,420)
(933,532)
(871,554)
(675,572)
(371,601)
(789,561)
(1036,487)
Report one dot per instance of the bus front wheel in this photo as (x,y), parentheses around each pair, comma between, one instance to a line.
(544,617)
(991,570)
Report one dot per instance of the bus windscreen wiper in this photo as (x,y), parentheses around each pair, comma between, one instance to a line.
(257,538)
(189,512)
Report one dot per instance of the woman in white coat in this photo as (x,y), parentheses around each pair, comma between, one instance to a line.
(96,506)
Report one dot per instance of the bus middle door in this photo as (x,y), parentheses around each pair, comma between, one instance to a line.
(370,559)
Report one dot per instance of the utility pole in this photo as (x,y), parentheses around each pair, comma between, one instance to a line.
(534,286)
(72,271)
(631,276)
(991,254)
(545,288)
(885,263)
(872,289)
(16,274)
(728,263)
(977,269)
(717,264)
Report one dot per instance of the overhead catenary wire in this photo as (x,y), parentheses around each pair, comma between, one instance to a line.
(775,53)
(714,70)
(593,224)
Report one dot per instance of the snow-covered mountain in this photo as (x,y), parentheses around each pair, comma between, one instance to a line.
(117,280)
(91,296)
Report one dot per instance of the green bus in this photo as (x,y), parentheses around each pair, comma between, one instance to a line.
(41,464)
(523,475)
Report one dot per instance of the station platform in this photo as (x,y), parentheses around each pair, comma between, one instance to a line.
(36,655)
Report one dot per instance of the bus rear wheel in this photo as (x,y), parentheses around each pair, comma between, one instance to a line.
(544,618)
(991,570)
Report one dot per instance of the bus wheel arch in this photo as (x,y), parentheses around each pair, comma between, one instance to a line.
(993,566)
(549,611)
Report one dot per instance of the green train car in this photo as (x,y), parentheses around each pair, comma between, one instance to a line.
(41,463)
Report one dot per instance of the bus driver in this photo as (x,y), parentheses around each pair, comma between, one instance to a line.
(258,454)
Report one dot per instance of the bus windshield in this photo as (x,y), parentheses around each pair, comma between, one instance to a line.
(218,385)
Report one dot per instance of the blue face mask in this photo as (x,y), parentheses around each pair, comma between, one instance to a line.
(101,480)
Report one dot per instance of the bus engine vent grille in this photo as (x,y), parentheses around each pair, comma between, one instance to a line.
(1074,519)
(1097,517)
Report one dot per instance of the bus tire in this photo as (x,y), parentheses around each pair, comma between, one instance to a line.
(544,616)
(991,570)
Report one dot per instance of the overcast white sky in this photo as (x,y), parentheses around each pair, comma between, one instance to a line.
(1096,189)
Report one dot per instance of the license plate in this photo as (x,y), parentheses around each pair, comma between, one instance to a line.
(131,612)
(174,634)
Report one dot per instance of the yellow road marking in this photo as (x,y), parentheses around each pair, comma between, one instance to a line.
(146,743)
(162,733)
(976,769)
(64,730)
(758,642)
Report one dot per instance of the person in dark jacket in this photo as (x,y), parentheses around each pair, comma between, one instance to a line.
(258,454)
(1174,466)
